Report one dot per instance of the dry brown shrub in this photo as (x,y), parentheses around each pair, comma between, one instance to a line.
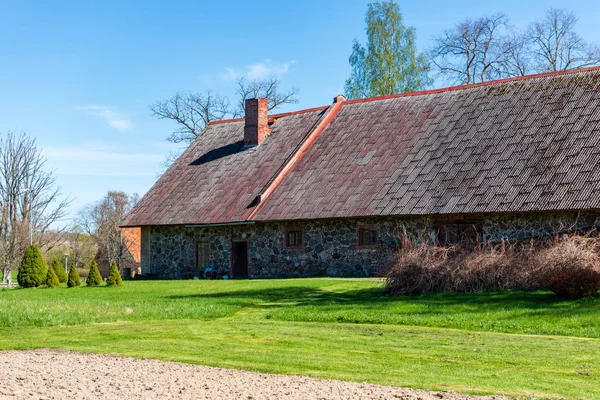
(570,267)
(418,270)
(506,266)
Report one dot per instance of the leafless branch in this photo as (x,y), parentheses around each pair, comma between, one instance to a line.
(268,88)
(556,46)
(101,221)
(30,200)
(473,51)
(192,112)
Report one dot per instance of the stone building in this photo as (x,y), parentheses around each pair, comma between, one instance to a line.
(334,190)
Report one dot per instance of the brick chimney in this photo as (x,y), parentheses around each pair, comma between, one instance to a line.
(256,127)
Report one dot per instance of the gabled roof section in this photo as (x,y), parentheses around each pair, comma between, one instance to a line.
(522,144)
(216,179)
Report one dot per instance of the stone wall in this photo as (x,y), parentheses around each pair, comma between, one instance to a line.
(330,247)
(536,225)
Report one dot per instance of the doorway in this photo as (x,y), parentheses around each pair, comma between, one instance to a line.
(239,259)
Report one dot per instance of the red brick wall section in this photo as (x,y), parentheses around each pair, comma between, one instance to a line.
(256,127)
(133,240)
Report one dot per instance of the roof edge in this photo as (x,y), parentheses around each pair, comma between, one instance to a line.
(280,115)
(424,92)
(474,85)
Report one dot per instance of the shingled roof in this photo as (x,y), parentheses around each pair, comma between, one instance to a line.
(216,179)
(525,144)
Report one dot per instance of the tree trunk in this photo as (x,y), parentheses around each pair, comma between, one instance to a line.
(6,275)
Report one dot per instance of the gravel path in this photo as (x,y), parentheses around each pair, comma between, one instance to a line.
(51,374)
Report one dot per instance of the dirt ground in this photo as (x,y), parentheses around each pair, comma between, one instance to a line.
(51,374)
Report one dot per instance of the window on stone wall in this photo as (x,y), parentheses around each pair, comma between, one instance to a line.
(367,236)
(202,254)
(294,238)
(467,232)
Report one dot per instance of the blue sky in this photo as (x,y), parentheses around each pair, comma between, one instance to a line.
(80,75)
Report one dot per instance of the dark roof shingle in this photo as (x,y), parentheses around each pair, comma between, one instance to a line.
(520,145)
(216,179)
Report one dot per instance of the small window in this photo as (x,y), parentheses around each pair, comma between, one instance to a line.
(367,237)
(202,255)
(457,233)
(294,238)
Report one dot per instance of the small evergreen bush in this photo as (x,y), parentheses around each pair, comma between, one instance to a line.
(94,278)
(114,277)
(59,271)
(74,279)
(51,278)
(33,268)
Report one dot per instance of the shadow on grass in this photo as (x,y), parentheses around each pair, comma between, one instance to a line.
(374,299)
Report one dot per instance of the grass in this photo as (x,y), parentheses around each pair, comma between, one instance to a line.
(498,343)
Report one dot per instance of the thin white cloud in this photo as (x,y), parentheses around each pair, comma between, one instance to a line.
(85,160)
(112,118)
(229,74)
(259,70)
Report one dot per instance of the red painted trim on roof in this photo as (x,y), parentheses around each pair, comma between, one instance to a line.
(298,112)
(280,115)
(473,85)
(334,109)
(426,92)
(223,121)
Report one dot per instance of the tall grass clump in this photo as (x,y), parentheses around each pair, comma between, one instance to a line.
(569,266)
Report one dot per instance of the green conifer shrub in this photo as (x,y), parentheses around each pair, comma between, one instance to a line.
(74,279)
(94,278)
(51,278)
(114,277)
(59,271)
(33,268)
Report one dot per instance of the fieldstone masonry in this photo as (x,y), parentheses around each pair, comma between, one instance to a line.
(330,246)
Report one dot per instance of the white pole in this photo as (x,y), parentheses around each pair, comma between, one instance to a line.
(28,193)
(66,259)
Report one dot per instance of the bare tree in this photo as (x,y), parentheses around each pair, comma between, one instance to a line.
(268,88)
(555,46)
(81,246)
(30,200)
(101,220)
(518,62)
(473,51)
(192,112)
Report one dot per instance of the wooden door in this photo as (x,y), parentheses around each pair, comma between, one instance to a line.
(239,260)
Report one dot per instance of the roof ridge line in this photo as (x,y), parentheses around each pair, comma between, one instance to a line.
(280,115)
(474,85)
(425,92)
(296,156)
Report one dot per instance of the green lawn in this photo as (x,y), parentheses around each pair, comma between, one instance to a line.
(507,343)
